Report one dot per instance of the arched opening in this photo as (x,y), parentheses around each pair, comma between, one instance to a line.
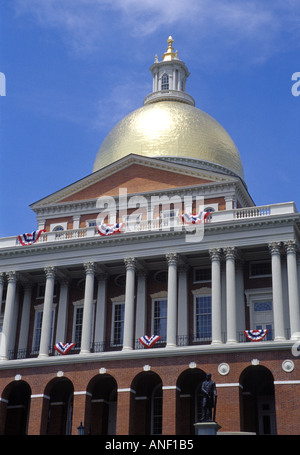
(257,400)
(189,403)
(18,395)
(146,408)
(103,410)
(60,410)
(165,82)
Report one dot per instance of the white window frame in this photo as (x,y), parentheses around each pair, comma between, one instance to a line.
(196,296)
(63,224)
(38,309)
(116,301)
(80,304)
(259,295)
(159,299)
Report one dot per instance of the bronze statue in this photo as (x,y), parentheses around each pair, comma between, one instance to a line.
(209,398)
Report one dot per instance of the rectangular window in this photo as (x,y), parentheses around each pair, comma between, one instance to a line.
(160,319)
(202,274)
(38,331)
(203,317)
(260,269)
(263,315)
(78,325)
(118,323)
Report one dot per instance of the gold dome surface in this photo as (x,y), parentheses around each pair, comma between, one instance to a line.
(170,129)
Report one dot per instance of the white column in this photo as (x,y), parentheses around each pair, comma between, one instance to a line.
(182,301)
(140,305)
(1,288)
(230,253)
(76,221)
(293,287)
(101,308)
(62,316)
(172,300)
(47,312)
(25,318)
(130,264)
(87,308)
(216,314)
(275,250)
(9,315)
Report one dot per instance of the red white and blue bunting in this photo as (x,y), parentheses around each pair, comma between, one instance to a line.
(29,239)
(148,342)
(256,335)
(63,348)
(110,229)
(195,219)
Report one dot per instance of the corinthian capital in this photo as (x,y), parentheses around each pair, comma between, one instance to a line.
(50,271)
(12,276)
(89,267)
(130,263)
(230,252)
(215,254)
(275,248)
(172,258)
(291,246)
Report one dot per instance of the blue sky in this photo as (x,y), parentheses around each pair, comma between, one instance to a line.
(73,69)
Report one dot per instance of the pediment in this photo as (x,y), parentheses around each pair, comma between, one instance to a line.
(138,175)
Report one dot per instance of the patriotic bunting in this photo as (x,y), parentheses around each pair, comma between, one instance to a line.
(29,239)
(148,342)
(195,219)
(110,229)
(256,335)
(63,348)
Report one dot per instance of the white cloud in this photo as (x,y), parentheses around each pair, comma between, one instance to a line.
(86,23)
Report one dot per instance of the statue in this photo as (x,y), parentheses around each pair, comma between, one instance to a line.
(209,398)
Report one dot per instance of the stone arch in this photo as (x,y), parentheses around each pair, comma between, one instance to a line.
(102,390)
(257,400)
(15,406)
(146,405)
(58,407)
(189,400)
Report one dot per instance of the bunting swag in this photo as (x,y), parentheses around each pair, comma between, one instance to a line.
(110,229)
(148,342)
(63,348)
(256,335)
(195,219)
(29,239)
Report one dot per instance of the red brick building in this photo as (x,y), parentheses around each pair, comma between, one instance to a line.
(198,287)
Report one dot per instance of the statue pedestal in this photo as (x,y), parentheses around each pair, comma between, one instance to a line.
(206,428)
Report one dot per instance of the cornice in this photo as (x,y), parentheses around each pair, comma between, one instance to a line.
(72,359)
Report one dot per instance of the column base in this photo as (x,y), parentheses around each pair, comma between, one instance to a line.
(206,428)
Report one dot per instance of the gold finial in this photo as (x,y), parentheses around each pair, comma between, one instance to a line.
(169,55)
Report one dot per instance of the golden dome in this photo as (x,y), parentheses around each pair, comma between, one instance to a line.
(170,129)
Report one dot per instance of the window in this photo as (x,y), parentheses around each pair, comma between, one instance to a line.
(263,317)
(260,269)
(165,82)
(203,317)
(202,274)
(38,329)
(160,318)
(78,318)
(118,323)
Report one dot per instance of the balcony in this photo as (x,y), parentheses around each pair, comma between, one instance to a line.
(161,224)
(107,346)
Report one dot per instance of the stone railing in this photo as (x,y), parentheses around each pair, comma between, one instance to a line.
(161,224)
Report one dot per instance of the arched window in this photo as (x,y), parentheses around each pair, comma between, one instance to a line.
(165,82)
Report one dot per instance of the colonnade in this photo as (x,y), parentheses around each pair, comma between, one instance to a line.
(176,275)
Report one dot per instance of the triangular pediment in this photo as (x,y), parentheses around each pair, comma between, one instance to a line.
(138,175)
